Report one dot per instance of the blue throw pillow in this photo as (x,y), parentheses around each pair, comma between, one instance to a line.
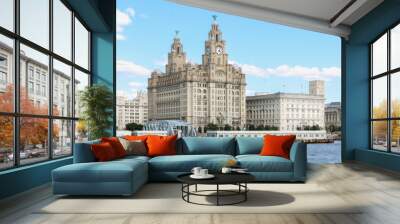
(207,145)
(249,145)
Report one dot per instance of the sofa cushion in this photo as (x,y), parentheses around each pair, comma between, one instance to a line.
(185,163)
(136,137)
(112,171)
(249,145)
(116,145)
(277,145)
(133,158)
(207,145)
(83,152)
(161,145)
(103,152)
(257,163)
(134,147)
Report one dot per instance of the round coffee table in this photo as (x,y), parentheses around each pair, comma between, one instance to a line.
(238,179)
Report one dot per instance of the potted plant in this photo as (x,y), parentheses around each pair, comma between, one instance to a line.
(96,103)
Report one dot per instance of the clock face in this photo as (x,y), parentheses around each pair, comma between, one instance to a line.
(219,50)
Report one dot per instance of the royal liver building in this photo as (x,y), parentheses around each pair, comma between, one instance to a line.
(211,92)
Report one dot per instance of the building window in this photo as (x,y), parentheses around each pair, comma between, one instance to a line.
(30,88)
(3,61)
(385,94)
(45,131)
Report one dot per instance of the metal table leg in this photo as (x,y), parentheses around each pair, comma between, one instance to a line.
(217,194)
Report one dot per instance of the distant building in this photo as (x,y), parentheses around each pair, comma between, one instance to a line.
(211,92)
(34,80)
(132,110)
(316,87)
(333,114)
(288,111)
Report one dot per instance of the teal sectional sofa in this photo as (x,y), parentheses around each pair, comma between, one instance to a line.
(125,176)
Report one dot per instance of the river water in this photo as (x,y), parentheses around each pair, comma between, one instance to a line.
(324,153)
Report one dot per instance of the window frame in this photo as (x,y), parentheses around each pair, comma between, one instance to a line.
(388,74)
(16,114)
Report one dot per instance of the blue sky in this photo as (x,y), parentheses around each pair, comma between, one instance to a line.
(273,57)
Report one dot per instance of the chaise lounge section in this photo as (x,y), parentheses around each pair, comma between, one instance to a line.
(125,176)
(88,177)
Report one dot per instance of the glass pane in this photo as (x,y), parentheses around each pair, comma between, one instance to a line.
(62,29)
(6,142)
(81,45)
(81,131)
(395,47)
(62,89)
(62,138)
(6,74)
(395,94)
(81,81)
(34,79)
(379,97)
(379,135)
(395,138)
(379,56)
(7,14)
(35,21)
(33,139)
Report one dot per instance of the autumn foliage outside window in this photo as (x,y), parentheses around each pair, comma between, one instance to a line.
(385,91)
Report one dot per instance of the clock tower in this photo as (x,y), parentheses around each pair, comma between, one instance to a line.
(176,57)
(200,94)
(214,47)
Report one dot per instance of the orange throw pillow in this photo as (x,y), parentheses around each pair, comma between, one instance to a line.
(116,145)
(277,145)
(161,145)
(103,152)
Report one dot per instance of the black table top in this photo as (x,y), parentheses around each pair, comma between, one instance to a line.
(220,178)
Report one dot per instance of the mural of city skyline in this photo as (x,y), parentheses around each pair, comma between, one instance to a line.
(274,58)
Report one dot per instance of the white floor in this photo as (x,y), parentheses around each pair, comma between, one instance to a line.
(377,190)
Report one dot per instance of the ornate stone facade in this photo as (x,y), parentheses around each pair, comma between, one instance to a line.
(211,92)
(333,114)
(288,111)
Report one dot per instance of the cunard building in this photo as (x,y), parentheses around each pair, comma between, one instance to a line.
(211,92)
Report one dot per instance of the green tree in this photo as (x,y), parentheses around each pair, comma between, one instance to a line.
(227,127)
(133,127)
(260,127)
(211,127)
(97,103)
(315,127)
(251,127)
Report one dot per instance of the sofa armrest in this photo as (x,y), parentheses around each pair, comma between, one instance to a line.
(83,152)
(298,155)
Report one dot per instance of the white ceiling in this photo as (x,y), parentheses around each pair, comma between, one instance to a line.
(326,16)
(321,9)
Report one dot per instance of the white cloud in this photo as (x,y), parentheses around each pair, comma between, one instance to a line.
(121,36)
(133,93)
(136,84)
(250,92)
(124,19)
(131,68)
(290,71)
